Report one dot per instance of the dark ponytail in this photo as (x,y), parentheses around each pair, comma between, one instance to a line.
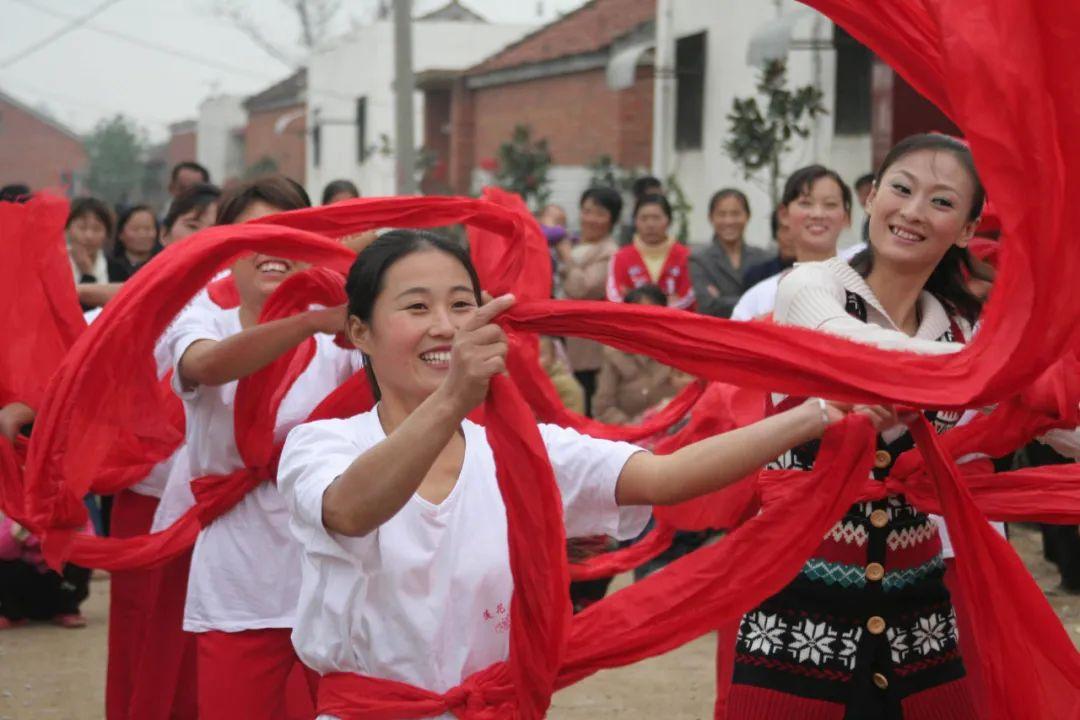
(948,281)
(368,272)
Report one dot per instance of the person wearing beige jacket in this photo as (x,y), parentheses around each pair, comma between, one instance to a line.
(583,270)
(628,385)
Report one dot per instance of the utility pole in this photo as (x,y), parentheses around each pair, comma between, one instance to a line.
(404,140)
(663,137)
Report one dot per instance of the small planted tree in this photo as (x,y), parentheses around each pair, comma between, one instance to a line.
(759,137)
(522,167)
(115,148)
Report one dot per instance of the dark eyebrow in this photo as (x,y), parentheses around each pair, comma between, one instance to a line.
(427,291)
(939,186)
(413,291)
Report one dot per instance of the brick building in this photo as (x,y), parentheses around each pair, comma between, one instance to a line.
(274,139)
(182,142)
(558,81)
(37,150)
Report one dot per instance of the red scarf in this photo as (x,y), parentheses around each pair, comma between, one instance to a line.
(1027,147)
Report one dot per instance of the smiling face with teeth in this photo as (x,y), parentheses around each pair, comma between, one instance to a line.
(257,275)
(815,218)
(424,297)
(919,209)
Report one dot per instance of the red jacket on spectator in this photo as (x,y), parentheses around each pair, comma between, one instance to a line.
(628,271)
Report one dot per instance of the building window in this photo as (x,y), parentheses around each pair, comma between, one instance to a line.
(690,91)
(361,130)
(854,62)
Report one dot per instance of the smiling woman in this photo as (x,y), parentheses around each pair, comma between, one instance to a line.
(243,583)
(406,563)
(867,629)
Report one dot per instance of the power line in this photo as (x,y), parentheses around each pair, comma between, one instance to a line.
(177,52)
(75,23)
(168,50)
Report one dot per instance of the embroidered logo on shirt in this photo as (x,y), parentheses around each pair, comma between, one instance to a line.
(499,619)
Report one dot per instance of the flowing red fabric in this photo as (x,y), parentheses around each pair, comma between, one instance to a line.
(636,628)
(40,315)
(999,68)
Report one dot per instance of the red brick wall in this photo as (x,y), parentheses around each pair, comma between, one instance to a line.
(579,115)
(34,152)
(462,137)
(181,149)
(437,140)
(287,149)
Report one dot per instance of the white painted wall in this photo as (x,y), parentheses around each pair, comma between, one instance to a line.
(362,64)
(216,146)
(730,25)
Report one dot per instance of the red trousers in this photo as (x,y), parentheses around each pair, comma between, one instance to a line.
(151,674)
(254,675)
(128,605)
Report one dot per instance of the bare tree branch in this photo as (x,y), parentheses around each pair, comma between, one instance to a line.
(238,16)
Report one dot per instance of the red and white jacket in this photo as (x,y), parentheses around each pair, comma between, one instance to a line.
(628,271)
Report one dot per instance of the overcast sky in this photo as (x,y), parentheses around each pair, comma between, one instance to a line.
(178,53)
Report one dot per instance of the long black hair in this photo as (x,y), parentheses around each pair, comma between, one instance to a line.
(802,181)
(368,273)
(948,281)
(197,197)
(125,217)
(724,194)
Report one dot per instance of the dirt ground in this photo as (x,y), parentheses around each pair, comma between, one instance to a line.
(48,673)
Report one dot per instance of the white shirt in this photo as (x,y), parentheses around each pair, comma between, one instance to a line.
(425,598)
(245,566)
(761,298)
(758,300)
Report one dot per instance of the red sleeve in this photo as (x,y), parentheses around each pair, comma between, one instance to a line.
(684,288)
(618,281)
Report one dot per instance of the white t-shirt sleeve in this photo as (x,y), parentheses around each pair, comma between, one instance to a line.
(195,323)
(314,455)
(587,471)
(811,296)
(756,301)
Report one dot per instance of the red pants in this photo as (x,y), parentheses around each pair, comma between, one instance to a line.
(128,605)
(165,680)
(254,675)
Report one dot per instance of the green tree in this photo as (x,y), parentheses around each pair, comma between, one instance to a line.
(758,140)
(115,148)
(523,167)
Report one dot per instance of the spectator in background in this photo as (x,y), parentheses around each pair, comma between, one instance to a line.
(630,385)
(186,174)
(863,186)
(785,254)
(189,213)
(816,207)
(552,219)
(138,238)
(89,225)
(642,187)
(338,190)
(717,269)
(654,257)
(583,270)
(553,215)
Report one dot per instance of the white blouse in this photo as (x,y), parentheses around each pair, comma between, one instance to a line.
(425,598)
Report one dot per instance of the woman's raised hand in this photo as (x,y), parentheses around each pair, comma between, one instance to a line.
(478,353)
